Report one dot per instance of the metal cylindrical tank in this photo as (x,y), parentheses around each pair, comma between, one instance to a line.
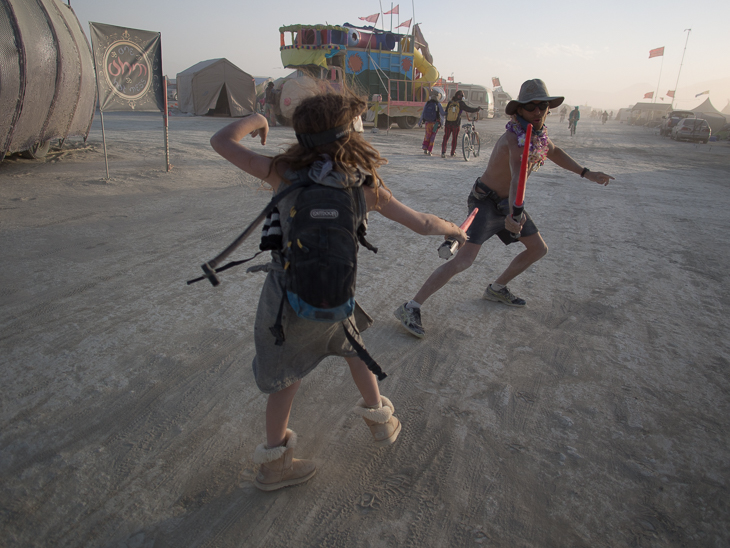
(47,81)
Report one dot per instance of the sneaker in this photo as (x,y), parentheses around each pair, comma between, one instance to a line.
(443,155)
(504,296)
(425,151)
(452,154)
(410,318)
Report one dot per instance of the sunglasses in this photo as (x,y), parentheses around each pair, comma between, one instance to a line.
(529,107)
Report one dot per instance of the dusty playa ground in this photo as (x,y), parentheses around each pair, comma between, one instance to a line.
(596,416)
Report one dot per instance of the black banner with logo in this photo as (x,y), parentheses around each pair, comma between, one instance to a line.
(128,68)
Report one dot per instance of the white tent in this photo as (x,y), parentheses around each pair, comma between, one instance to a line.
(217,87)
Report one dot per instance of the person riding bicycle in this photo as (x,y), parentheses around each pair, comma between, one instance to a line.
(573,119)
(494,193)
(454,108)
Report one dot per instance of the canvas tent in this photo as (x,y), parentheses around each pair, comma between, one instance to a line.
(217,87)
(713,116)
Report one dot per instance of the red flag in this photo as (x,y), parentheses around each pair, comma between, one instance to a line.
(670,93)
(370,18)
(405,24)
(394,11)
(495,82)
(649,95)
(659,52)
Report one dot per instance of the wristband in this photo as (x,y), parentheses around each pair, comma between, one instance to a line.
(583,173)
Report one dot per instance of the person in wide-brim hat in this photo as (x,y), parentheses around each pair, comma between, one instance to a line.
(533,90)
(492,200)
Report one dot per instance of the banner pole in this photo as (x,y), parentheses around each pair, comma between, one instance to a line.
(660,79)
(103,139)
(680,66)
(167,133)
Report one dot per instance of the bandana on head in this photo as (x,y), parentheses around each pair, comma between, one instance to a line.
(538,143)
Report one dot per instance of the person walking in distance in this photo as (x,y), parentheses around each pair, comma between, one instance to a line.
(269,102)
(433,116)
(573,119)
(454,108)
(494,194)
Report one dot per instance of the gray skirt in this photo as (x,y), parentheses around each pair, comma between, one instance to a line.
(306,342)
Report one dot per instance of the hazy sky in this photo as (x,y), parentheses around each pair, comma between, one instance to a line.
(594,53)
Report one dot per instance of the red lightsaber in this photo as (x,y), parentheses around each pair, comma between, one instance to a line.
(519,205)
(449,247)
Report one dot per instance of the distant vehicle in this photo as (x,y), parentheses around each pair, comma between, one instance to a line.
(475,96)
(692,129)
(672,119)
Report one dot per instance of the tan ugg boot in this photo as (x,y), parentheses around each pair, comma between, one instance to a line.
(278,468)
(383,425)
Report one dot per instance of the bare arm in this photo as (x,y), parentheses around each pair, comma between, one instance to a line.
(420,223)
(562,159)
(226,142)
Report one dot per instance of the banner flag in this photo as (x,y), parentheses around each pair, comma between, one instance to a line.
(495,82)
(703,93)
(128,68)
(658,52)
(405,24)
(394,11)
(649,95)
(670,93)
(370,18)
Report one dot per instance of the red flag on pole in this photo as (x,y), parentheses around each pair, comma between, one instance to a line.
(394,11)
(670,93)
(649,95)
(659,52)
(405,24)
(495,82)
(370,18)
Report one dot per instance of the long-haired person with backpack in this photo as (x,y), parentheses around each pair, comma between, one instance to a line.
(298,322)
(454,108)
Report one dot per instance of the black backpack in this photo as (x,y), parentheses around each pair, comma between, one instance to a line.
(320,256)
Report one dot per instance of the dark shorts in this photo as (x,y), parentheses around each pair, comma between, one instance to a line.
(490,218)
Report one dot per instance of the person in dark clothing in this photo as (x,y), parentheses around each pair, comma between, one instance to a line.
(270,100)
(453,121)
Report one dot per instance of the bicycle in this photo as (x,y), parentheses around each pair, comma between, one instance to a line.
(470,142)
(572,126)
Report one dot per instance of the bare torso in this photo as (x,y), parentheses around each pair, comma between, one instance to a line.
(499,172)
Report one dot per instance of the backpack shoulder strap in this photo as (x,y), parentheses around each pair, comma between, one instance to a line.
(358,194)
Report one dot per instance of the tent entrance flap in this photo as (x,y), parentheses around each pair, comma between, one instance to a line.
(221,105)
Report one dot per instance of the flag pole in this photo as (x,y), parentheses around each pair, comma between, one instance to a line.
(383,15)
(680,65)
(660,78)
(103,140)
(167,132)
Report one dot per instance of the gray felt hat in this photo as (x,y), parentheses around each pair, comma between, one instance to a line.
(533,90)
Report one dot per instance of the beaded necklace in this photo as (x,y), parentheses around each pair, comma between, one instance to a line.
(538,143)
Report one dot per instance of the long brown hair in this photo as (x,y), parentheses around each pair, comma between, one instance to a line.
(325,111)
